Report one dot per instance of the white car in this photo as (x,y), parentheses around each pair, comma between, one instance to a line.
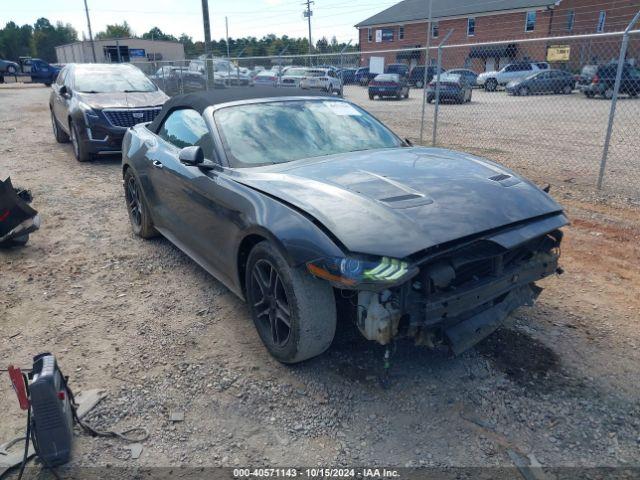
(321,78)
(266,78)
(292,76)
(512,72)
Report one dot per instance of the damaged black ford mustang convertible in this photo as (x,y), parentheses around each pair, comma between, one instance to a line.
(303,203)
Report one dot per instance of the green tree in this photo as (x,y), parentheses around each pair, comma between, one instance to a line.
(15,41)
(156,34)
(46,37)
(116,31)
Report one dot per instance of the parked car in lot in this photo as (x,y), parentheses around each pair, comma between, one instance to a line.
(363,76)
(416,77)
(469,76)
(603,81)
(9,67)
(173,80)
(546,81)
(322,79)
(453,87)
(388,85)
(586,75)
(401,69)
(293,76)
(94,104)
(327,204)
(348,75)
(514,71)
(267,78)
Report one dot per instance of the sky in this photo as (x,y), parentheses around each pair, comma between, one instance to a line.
(246,17)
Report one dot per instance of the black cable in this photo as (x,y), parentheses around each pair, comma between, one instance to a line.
(25,458)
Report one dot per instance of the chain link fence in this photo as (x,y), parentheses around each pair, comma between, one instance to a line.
(540,106)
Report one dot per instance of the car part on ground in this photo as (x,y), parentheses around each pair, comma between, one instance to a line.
(431,244)
(17,218)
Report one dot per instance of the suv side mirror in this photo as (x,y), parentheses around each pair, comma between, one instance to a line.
(64,91)
(192,156)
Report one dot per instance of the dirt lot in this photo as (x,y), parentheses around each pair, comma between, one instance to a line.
(141,320)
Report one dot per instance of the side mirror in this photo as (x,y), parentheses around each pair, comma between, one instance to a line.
(64,91)
(192,156)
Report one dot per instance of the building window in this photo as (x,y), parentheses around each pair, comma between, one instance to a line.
(369,35)
(387,35)
(401,32)
(571,20)
(471,26)
(435,30)
(530,22)
(601,20)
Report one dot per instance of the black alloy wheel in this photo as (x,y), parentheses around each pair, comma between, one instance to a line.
(270,303)
(133,202)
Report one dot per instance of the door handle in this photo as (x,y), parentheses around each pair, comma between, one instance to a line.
(157,164)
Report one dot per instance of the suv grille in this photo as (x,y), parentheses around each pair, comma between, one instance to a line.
(130,117)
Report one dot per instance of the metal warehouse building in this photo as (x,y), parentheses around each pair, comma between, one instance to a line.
(114,50)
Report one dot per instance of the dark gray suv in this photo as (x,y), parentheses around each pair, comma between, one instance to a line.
(92,105)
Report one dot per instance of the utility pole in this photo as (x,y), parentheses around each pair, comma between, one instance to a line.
(208,60)
(307,13)
(226,27)
(93,46)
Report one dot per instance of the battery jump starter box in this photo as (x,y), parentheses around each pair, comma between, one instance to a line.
(52,417)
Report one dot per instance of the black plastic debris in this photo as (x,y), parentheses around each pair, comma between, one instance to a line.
(17,218)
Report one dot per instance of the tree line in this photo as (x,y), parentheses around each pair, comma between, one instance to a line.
(41,38)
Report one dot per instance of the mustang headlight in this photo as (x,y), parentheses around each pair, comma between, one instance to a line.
(350,272)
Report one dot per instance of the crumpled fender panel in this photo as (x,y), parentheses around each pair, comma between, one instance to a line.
(17,218)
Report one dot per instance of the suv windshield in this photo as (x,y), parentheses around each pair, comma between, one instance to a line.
(112,80)
(278,132)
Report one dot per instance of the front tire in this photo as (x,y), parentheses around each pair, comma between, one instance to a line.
(79,149)
(11,70)
(491,85)
(60,135)
(139,215)
(523,91)
(294,313)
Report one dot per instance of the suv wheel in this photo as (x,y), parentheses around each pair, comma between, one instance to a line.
(419,84)
(567,89)
(608,93)
(524,91)
(79,149)
(294,313)
(491,85)
(58,133)
(11,69)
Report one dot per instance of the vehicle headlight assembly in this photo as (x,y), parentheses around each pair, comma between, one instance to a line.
(352,273)
(88,113)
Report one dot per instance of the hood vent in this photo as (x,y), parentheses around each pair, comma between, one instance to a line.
(500,177)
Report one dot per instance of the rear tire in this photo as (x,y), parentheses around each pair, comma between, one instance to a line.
(137,209)
(371,97)
(608,93)
(60,135)
(294,313)
(523,91)
(491,85)
(419,84)
(567,90)
(11,70)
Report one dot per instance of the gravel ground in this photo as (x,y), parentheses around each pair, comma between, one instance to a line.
(141,320)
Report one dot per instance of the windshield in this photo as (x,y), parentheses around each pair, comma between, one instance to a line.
(387,77)
(279,132)
(112,80)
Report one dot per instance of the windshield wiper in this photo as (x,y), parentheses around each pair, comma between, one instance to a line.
(138,91)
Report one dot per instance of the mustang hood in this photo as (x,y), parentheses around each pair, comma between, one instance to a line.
(123,100)
(397,202)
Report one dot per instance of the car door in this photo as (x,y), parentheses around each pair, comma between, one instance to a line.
(188,197)
(59,103)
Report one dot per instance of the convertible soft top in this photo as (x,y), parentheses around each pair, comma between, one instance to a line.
(199,101)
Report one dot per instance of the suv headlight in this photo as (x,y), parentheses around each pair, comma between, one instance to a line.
(88,113)
(351,272)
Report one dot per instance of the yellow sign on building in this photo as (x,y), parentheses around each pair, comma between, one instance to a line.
(558,53)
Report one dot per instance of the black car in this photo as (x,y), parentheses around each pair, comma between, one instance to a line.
(546,81)
(364,76)
(388,85)
(453,88)
(347,75)
(416,77)
(401,69)
(327,210)
(93,105)
(604,80)
(468,75)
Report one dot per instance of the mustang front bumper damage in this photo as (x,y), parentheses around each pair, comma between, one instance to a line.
(460,298)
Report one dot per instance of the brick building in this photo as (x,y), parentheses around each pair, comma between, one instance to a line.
(405,26)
